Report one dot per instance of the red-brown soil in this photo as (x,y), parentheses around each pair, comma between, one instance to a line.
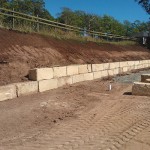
(84,116)
(20,51)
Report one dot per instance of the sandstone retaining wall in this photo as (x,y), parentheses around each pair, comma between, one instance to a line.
(52,78)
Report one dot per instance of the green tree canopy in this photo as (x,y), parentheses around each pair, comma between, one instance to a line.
(145,4)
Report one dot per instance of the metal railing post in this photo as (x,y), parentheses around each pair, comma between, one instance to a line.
(13,21)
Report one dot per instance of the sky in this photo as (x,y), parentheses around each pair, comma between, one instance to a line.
(119,9)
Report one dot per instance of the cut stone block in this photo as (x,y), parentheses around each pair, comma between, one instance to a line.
(131,63)
(144,77)
(88,76)
(78,78)
(97,75)
(125,69)
(141,89)
(110,72)
(7,92)
(114,65)
(83,69)
(97,67)
(72,70)
(60,72)
(26,88)
(104,73)
(89,67)
(45,85)
(147,81)
(106,66)
(123,64)
(41,74)
(116,71)
(64,81)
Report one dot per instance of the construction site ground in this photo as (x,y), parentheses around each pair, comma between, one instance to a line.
(83,116)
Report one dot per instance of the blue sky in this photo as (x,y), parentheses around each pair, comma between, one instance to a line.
(119,9)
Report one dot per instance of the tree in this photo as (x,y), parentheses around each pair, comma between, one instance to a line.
(145,4)
(4,3)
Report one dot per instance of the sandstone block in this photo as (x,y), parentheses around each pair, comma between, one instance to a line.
(7,92)
(45,85)
(41,74)
(144,77)
(83,69)
(110,72)
(88,76)
(97,67)
(141,89)
(104,73)
(26,88)
(60,72)
(97,75)
(123,64)
(89,67)
(64,81)
(72,70)
(78,78)
(106,66)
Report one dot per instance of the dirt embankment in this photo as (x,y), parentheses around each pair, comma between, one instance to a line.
(19,52)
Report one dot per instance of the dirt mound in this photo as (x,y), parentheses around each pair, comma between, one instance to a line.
(19,52)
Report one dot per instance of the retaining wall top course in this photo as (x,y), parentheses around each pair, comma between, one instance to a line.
(60,71)
(41,74)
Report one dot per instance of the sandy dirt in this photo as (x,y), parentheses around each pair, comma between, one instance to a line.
(19,52)
(83,116)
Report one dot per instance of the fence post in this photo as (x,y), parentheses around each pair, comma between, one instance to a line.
(13,25)
(38,27)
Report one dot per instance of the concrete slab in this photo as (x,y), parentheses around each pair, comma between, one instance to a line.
(78,78)
(60,71)
(144,77)
(141,89)
(7,92)
(26,88)
(72,70)
(88,76)
(38,74)
(64,81)
(45,85)
(83,69)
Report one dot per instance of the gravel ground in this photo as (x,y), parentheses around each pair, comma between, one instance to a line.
(130,78)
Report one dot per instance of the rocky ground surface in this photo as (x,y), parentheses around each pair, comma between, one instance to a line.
(83,116)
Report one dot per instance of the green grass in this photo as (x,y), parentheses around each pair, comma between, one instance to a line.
(28,27)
